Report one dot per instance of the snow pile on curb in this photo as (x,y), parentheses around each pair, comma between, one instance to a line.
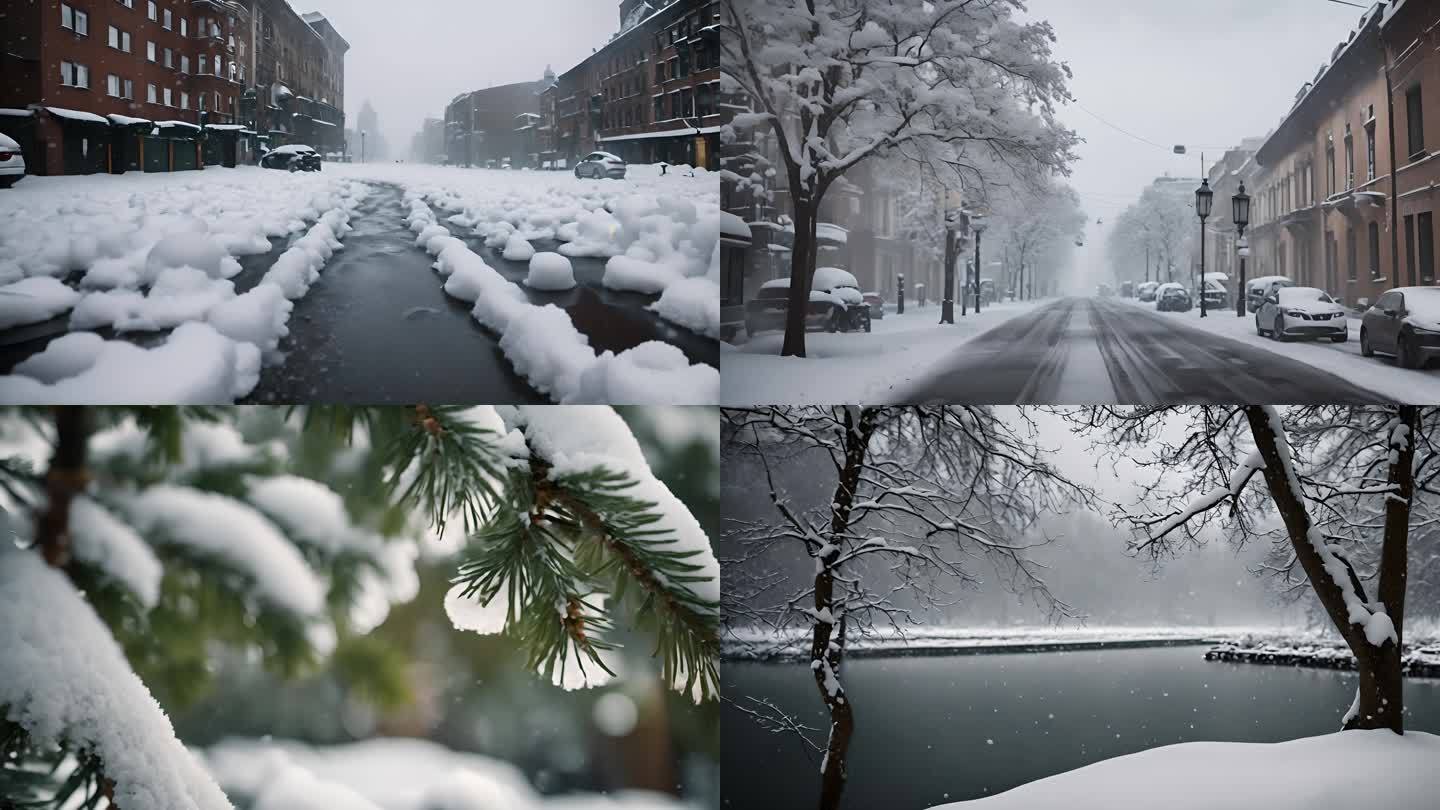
(1373,768)
(657,232)
(219,338)
(542,343)
(77,686)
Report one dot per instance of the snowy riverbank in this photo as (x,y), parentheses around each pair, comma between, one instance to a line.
(1338,771)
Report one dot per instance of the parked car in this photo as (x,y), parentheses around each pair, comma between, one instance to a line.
(1301,312)
(294,157)
(1127,289)
(1104,291)
(987,291)
(1256,289)
(836,304)
(1146,291)
(876,302)
(12,162)
(1404,322)
(1217,291)
(1172,297)
(601,164)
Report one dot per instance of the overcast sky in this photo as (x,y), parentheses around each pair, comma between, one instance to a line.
(410,58)
(1203,74)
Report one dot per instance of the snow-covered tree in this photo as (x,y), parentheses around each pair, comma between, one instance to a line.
(841,82)
(1343,481)
(144,537)
(1033,232)
(1161,222)
(918,495)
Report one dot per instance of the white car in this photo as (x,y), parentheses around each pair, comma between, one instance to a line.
(12,162)
(601,164)
(1301,312)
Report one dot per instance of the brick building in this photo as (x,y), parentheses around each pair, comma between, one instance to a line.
(649,95)
(1323,193)
(114,85)
(488,127)
(1411,35)
(298,69)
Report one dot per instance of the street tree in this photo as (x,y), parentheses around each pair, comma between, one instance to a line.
(918,497)
(1034,230)
(842,82)
(149,536)
(1346,483)
(1161,222)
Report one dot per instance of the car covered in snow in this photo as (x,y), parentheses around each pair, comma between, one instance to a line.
(1172,297)
(601,164)
(12,161)
(876,302)
(1291,312)
(1404,322)
(836,304)
(1217,290)
(293,157)
(1257,289)
(1146,291)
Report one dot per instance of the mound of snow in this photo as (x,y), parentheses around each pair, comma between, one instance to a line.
(549,271)
(1340,771)
(190,248)
(652,373)
(65,356)
(693,303)
(33,300)
(518,249)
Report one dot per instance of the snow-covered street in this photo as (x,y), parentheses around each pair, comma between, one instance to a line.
(212,287)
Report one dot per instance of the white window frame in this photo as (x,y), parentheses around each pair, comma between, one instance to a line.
(150,50)
(125,41)
(152,11)
(184,100)
(184,26)
(112,37)
(127,3)
(168,22)
(112,86)
(129,89)
(169,58)
(152,93)
(204,63)
(184,63)
(169,97)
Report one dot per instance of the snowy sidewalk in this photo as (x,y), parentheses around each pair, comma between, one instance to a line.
(863,367)
(1379,374)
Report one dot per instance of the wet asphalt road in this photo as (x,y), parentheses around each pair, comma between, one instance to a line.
(1090,351)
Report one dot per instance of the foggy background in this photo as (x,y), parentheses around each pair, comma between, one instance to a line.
(409,59)
(1201,74)
(1089,566)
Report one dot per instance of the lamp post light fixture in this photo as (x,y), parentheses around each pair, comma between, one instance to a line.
(977,224)
(362,146)
(1203,198)
(1240,210)
(899,293)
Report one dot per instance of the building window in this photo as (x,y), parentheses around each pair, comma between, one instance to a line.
(169,58)
(112,85)
(1330,166)
(1370,150)
(151,13)
(1349,159)
(129,89)
(150,93)
(1409,247)
(73,74)
(1374,234)
(184,27)
(127,3)
(1425,241)
(687,103)
(75,20)
(150,51)
(184,63)
(705,99)
(114,37)
(659,109)
(184,100)
(169,99)
(1414,121)
(168,23)
(203,62)
(218,60)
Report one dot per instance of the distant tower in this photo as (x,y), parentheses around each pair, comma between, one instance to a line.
(549,78)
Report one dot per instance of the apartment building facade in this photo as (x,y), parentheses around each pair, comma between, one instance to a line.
(87,85)
(1411,35)
(492,126)
(649,95)
(1321,206)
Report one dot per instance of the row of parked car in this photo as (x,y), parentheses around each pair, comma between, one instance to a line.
(1403,322)
(836,304)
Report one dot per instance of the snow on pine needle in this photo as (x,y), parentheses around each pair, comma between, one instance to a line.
(580,525)
(74,687)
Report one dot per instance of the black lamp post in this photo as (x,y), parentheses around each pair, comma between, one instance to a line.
(899,293)
(1240,209)
(1203,198)
(977,224)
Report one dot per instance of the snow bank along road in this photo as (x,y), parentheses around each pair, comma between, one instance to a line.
(1080,351)
(141,288)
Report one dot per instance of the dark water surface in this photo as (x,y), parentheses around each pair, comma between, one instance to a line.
(949,728)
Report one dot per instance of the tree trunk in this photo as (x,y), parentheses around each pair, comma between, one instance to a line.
(66,478)
(1381,701)
(827,645)
(802,269)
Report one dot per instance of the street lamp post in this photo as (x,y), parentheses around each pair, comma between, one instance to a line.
(955,223)
(362,146)
(977,224)
(900,294)
(1203,198)
(1240,210)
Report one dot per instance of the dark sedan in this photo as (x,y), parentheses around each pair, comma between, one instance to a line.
(1404,322)
(292,157)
